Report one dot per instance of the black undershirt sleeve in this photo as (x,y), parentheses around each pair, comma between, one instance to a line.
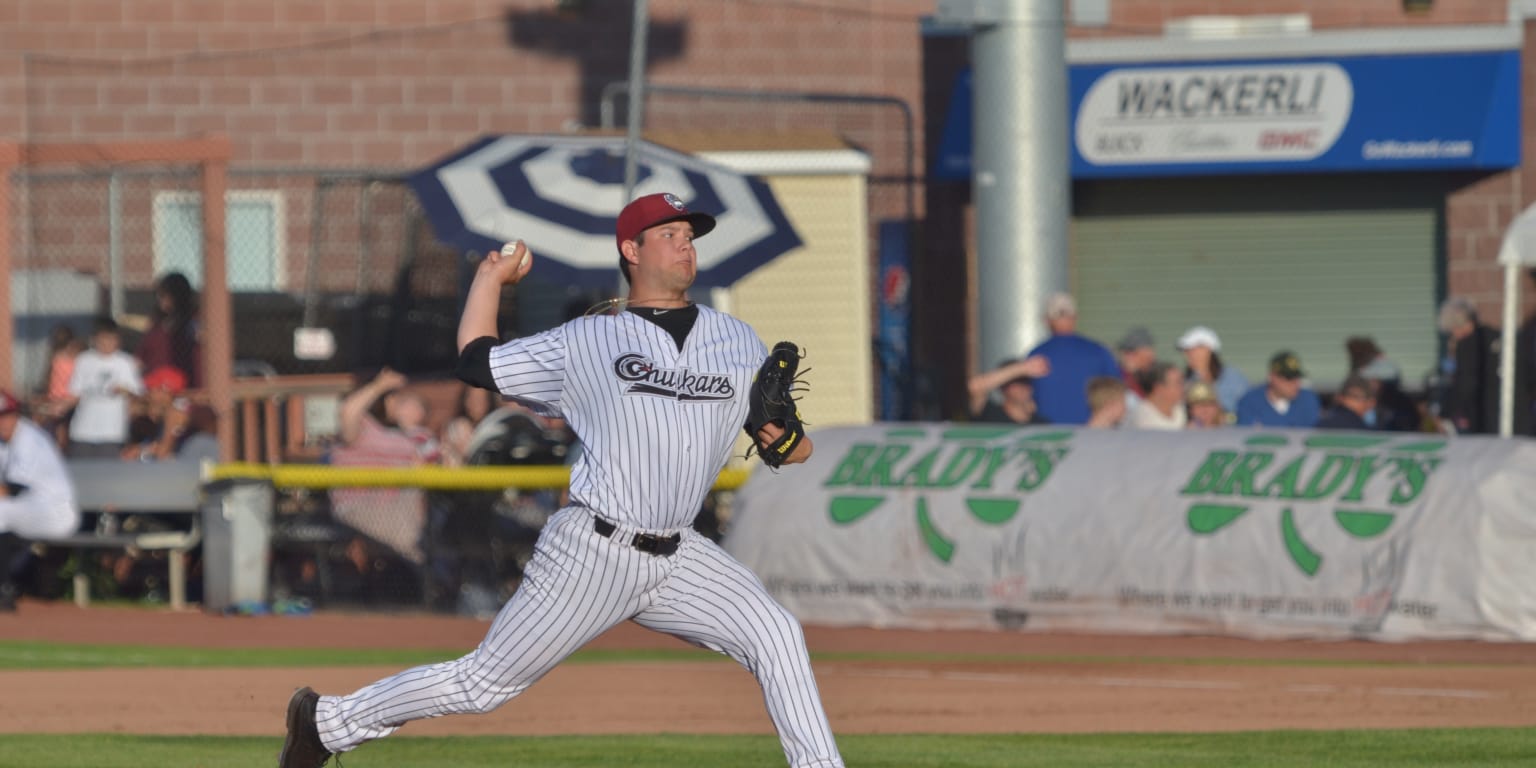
(475,363)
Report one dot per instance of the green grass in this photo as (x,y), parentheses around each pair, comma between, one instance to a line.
(1269,749)
(15,654)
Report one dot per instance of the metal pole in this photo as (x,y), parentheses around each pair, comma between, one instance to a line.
(312,264)
(1507,356)
(636,96)
(1021,183)
(640,24)
(10,161)
(115,245)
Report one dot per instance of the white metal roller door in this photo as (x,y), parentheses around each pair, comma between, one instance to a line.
(1270,263)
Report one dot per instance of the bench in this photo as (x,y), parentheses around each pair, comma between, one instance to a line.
(111,486)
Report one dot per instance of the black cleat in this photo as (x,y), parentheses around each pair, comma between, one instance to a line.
(302,748)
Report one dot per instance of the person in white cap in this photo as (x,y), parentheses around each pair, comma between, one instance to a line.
(1061,395)
(1202,352)
(37,499)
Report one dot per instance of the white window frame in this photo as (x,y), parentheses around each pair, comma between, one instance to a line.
(166,199)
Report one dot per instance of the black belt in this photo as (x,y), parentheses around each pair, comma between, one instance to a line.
(661,546)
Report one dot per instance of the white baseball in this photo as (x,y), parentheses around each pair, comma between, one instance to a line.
(510,248)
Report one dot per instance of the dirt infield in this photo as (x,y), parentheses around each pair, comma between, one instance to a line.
(1428,685)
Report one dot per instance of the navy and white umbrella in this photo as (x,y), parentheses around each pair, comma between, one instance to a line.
(562,196)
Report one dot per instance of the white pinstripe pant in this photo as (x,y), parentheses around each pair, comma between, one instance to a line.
(577,586)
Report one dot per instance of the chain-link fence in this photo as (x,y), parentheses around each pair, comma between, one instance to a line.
(323,231)
(344,250)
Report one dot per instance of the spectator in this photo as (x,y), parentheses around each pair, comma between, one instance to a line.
(1281,401)
(1014,381)
(157,433)
(1061,394)
(1525,373)
(1106,401)
(1362,351)
(172,337)
(1137,353)
(104,379)
(37,497)
(1350,406)
(1163,407)
(1202,353)
(397,437)
(201,442)
(1395,410)
(52,408)
(474,405)
(1472,400)
(1205,411)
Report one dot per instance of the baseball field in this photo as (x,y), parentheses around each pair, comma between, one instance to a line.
(113,686)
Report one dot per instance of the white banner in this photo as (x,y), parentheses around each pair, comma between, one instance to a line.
(1285,111)
(1240,531)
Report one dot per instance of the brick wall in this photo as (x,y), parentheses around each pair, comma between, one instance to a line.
(1478,214)
(1147,16)
(392,84)
(397,82)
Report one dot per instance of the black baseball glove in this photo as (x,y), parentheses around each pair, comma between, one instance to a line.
(772,401)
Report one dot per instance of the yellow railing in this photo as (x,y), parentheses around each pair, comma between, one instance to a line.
(434,478)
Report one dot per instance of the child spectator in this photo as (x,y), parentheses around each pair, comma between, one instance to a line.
(104,379)
(157,433)
(51,411)
(1106,401)
(1205,411)
(474,405)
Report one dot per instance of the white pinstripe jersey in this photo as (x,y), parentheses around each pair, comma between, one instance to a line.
(656,424)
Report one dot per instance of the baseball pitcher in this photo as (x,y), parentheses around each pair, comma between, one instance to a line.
(655,393)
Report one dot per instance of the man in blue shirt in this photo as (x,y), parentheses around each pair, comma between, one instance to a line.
(1062,394)
(1281,401)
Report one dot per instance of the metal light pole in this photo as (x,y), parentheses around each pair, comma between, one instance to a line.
(640,23)
(636,96)
(1021,178)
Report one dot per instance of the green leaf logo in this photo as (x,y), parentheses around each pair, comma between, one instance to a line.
(973,457)
(1349,464)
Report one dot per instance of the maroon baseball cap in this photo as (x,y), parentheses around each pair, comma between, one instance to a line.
(8,403)
(660,208)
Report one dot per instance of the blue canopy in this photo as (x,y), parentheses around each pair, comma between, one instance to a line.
(562,196)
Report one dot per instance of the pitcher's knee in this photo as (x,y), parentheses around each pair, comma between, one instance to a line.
(782,635)
(485,687)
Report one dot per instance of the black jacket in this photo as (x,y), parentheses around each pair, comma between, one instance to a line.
(1395,409)
(1525,378)
(1339,417)
(1472,400)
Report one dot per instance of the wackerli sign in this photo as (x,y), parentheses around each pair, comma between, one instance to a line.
(1207,114)
(1395,112)
(1246,532)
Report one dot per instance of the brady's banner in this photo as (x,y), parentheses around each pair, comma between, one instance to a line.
(1248,532)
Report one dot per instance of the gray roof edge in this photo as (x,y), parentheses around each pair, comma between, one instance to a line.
(1352,42)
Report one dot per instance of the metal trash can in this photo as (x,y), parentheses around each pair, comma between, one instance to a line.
(237,533)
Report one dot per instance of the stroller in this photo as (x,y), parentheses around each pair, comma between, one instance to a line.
(478,542)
